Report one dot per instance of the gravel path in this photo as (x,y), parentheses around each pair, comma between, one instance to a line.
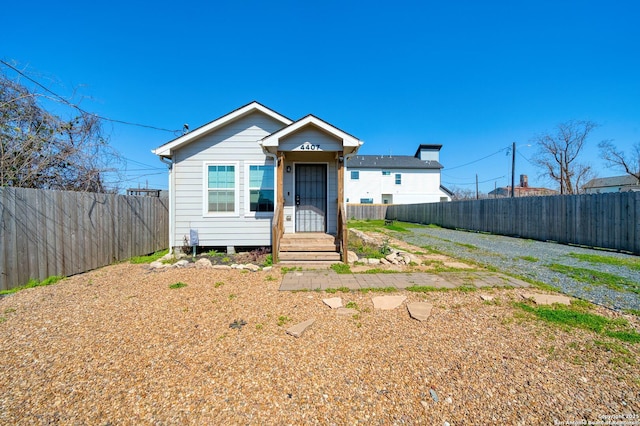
(118,346)
(531,259)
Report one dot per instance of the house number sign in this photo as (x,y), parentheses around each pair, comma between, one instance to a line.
(308,146)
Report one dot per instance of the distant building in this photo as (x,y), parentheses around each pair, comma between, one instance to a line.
(396,179)
(612,184)
(524,190)
(144,192)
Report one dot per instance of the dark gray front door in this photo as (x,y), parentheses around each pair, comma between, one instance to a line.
(311,197)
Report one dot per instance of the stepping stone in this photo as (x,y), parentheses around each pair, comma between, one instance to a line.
(333,302)
(298,329)
(547,299)
(419,310)
(347,312)
(486,297)
(387,302)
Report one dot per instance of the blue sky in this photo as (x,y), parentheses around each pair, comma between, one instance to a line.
(472,76)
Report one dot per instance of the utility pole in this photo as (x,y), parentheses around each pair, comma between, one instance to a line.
(561,176)
(477,196)
(513,169)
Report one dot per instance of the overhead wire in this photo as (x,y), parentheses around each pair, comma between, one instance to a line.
(479,159)
(77,107)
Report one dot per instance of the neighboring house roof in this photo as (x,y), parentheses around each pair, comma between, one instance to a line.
(446,190)
(391,162)
(348,141)
(167,149)
(614,181)
(523,191)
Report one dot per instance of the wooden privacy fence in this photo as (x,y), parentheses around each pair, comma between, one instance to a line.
(366,211)
(610,221)
(45,233)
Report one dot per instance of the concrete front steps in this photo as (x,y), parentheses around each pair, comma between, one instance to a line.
(308,247)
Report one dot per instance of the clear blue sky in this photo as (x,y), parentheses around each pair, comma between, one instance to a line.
(472,76)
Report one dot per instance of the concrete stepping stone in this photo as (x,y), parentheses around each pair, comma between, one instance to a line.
(346,312)
(486,297)
(547,299)
(298,329)
(420,310)
(333,302)
(387,302)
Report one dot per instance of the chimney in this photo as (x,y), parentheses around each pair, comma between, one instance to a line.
(524,181)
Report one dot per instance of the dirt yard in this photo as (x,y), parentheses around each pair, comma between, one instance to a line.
(119,346)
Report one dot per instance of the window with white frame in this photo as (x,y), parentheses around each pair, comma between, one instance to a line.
(261,188)
(386,173)
(398,179)
(355,174)
(221,188)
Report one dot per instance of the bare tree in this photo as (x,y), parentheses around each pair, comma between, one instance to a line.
(559,153)
(41,150)
(618,159)
(465,194)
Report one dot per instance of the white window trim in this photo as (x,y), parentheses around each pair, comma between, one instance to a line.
(205,189)
(247,188)
(396,178)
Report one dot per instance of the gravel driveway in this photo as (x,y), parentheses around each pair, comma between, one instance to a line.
(531,259)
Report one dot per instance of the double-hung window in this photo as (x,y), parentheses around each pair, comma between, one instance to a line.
(261,188)
(398,179)
(221,189)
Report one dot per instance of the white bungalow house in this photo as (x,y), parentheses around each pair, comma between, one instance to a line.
(254,177)
(397,179)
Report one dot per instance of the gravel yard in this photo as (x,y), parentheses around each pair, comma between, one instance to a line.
(531,259)
(119,346)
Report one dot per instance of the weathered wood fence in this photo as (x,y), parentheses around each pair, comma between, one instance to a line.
(366,211)
(45,233)
(610,221)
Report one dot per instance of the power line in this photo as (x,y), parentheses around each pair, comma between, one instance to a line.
(480,159)
(473,183)
(63,100)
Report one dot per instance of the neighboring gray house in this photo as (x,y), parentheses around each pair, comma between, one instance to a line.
(396,179)
(254,177)
(612,184)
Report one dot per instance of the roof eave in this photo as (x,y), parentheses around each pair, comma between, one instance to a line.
(167,149)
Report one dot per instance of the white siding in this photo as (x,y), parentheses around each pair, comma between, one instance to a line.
(418,185)
(236,143)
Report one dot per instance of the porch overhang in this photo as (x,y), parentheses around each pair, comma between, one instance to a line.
(350,144)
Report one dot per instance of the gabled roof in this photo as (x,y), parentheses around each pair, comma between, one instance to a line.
(626,180)
(167,149)
(390,162)
(348,141)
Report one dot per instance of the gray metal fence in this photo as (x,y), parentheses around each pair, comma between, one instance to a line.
(45,233)
(610,221)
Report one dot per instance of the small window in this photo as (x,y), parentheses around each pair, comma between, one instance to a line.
(355,175)
(261,188)
(366,200)
(221,188)
(398,179)
(386,173)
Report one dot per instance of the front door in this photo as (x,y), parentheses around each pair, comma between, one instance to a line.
(311,197)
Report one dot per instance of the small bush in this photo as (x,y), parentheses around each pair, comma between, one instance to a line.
(177,285)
